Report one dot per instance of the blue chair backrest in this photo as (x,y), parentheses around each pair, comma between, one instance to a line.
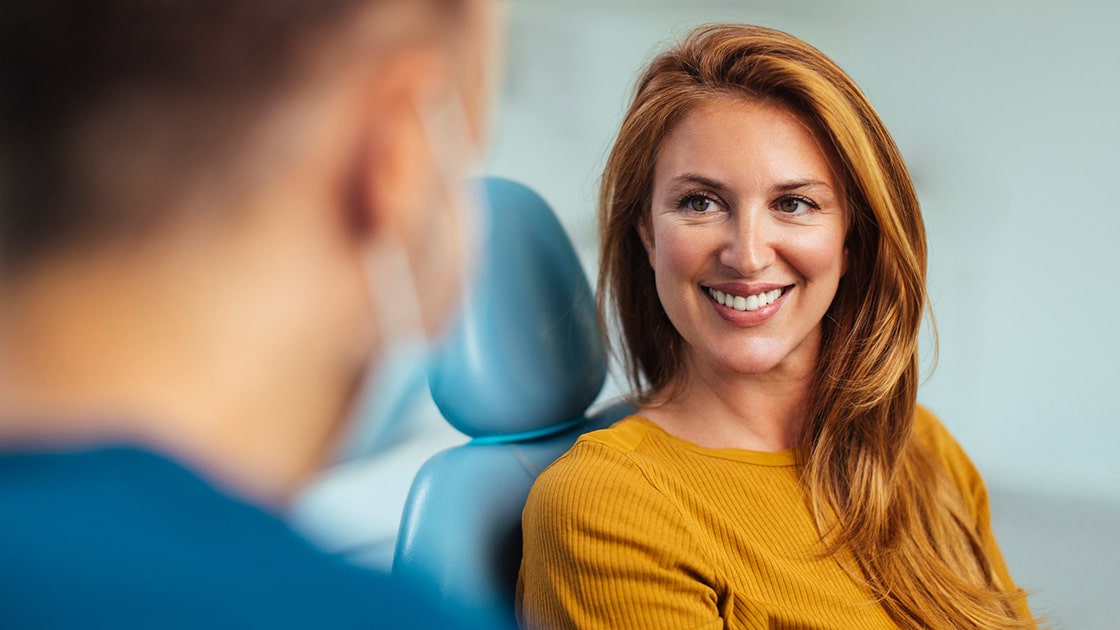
(517,374)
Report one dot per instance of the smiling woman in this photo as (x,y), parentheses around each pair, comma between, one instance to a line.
(764,255)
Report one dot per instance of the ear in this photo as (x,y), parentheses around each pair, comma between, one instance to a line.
(391,165)
(644,234)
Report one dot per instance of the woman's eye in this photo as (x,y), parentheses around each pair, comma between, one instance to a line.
(792,205)
(699,204)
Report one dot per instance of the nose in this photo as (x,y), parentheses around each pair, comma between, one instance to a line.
(749,246)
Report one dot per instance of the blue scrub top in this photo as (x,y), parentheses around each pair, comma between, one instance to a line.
(123,538)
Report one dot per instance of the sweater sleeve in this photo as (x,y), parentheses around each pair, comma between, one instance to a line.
(603,548)
(967,478)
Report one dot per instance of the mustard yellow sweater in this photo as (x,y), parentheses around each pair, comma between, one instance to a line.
(634,528)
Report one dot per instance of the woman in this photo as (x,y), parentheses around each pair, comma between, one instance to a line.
(764,256)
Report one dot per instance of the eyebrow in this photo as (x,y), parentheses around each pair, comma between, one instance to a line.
(707,182)
(693,178)
(800,184)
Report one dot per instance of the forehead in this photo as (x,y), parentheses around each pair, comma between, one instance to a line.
(744,141)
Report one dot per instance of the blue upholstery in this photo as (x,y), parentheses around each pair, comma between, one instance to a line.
(517,373)
(525,355)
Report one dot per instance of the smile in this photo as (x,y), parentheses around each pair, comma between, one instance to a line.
(745,302)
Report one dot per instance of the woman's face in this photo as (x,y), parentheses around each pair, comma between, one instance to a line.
(746,237)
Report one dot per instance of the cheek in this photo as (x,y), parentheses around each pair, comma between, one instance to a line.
(677,255)
(820,257)
(676,260)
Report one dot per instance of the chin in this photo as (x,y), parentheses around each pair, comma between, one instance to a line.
(754,368)
(752,364)
(767,356)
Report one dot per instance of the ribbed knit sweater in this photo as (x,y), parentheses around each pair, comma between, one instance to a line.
(634,528)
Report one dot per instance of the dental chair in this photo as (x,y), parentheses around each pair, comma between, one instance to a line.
(516,374)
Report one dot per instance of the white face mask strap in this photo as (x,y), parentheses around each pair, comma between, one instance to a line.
(445,124)
(445,120)
(398,372)
(396,296)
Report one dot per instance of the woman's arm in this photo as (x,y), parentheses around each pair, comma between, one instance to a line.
(603,548)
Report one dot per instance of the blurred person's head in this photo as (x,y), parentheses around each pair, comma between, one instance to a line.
(210,210)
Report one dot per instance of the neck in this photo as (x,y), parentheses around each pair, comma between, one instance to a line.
(723,409)
(189,354)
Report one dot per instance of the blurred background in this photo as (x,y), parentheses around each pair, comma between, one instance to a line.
(1006,112)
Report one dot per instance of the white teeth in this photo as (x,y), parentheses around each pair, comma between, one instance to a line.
(748,303)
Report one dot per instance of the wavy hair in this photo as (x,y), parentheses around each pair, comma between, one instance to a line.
(871,488)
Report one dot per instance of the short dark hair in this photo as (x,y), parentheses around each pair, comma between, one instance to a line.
(63,61)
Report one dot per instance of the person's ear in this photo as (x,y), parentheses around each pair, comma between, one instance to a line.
(392,165)
(643,229)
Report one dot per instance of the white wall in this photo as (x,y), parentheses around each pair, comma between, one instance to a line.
(1007,115)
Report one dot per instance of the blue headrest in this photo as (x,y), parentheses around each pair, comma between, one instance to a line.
(525,358)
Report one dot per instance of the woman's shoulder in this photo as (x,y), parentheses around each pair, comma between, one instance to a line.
(601,465)
(624,436)
(932,435)
(602,500)
(931,432)
(612,448)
